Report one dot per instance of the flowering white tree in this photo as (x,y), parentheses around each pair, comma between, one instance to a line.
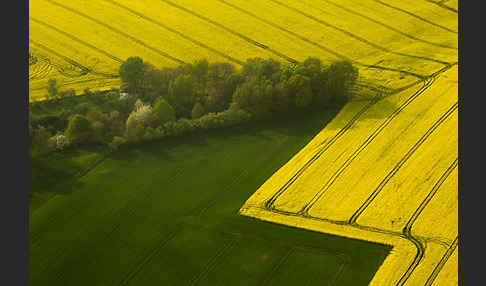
(59,141)
(138,120)
(124,96)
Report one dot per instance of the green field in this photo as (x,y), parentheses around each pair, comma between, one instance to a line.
(165,213)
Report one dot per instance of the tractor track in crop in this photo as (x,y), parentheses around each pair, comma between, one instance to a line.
(213,262)
(294,247)
(127,210)
(61,68)
(326,49)
(235,33)
(427,83)
(76,39)
(174,31)
(443,6)
(402,161)
(305,209)
(407,230)
(63,252)
(442,262)
(40,69)
(201,210)
(356,37)
(388,26)
(147,258)
(415,16)
(111,28)
(269,204)
(273,272)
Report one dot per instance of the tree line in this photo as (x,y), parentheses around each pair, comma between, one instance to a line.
(154,103)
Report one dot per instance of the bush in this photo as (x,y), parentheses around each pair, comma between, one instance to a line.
(117,142)
(41,141)
(162,112)
(197,110)
(79,129)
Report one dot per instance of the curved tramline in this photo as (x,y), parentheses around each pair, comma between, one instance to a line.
(407,230)
(442,262)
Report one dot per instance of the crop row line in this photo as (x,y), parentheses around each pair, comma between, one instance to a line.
(442,262)
(111,28)
(59,67)
(182,35)
(270,207)
(388,26)
(356,37)
(269,204)
(402,161)
(213,262)
(53,219)
(441,5)
(364,145)
(260,45)
(293,247)
(326,49)
(84,70)
(427,83)
(76,39)
(129,207)
(35,236)
(407,230)
(42,71)
(415,16)
(406,234)
(268,278)
(147,258)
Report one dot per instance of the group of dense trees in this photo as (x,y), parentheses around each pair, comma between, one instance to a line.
(154,103)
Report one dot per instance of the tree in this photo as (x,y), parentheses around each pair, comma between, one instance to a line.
(40,141)
(254,96)
(181,95)
(301,87)
(162,112)
(340,77)
(131,73)
(79,129)
(197,110)
(52,89)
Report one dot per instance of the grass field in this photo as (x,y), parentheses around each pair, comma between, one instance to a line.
(158,214)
